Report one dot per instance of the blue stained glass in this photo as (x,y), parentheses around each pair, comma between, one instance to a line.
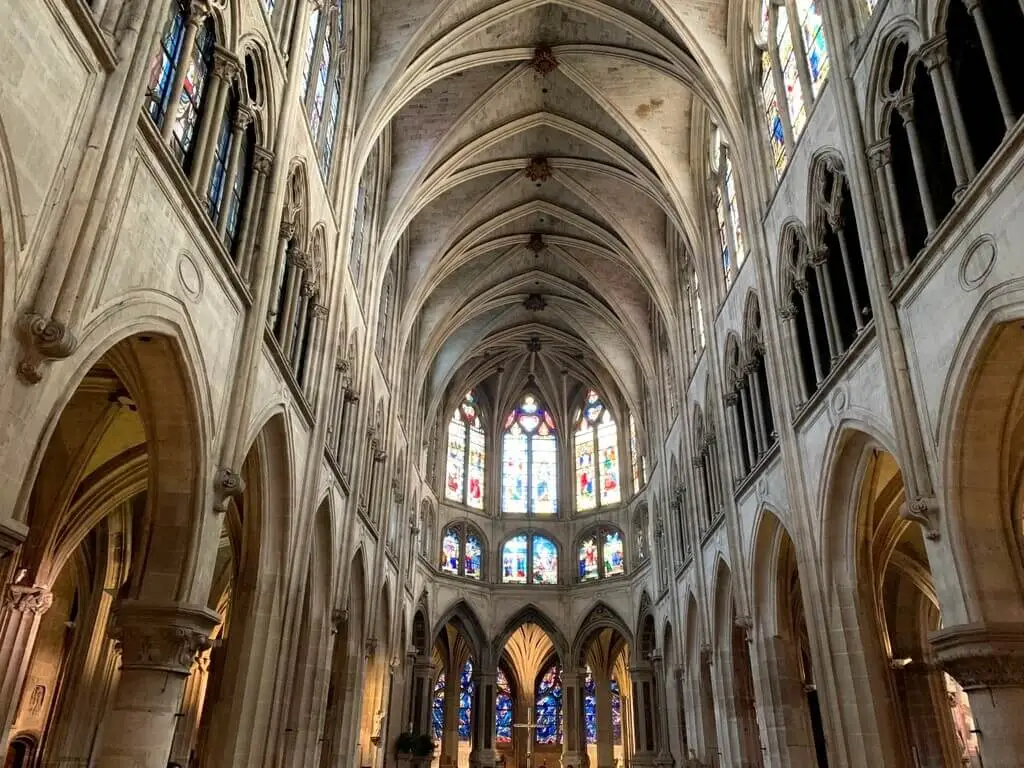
(549,707)
(215,193)
(503,710)
(165,62)
(466,702)
(529,461)
(616,712)
(437,711)
(590,707)
(238,189)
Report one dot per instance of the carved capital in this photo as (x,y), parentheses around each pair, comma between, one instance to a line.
(262,161)
(227,484)
(351,397)
(198,11)
(935,53)
(880,154)
(309,289)
(225,65)
(297,257)
(379,456)
(747,625)
(243,117)
(287,231)
(164,637)
(732,398)
(819,255)
(28,598)
(320,311)
(981,655)
(706,654)
(339,618)
(906,109)
(924,511)
(698,462)
(370,648)
(801,286)
(788,312)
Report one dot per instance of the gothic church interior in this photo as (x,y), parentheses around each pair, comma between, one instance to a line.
(511,383)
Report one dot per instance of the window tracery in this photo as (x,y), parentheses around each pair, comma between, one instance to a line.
(529,461)
(462,551)
(323,75)
(464,476)
(597,455)
(639,462)
(529,559)
(601,554)
(725,202)
(794,67)
(365,202)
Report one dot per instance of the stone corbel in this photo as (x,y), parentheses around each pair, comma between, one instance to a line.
(227,484)
(370,648)
(706,654)
(24,597)
(923,510)
(46,339)
(339,618)
(747,625)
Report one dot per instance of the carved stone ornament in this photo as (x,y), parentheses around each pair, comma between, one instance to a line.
(397,491)
(535,302)
(544,60)
(705,654)
(262,161)
(788,312)
(287,230)
(981,655)
(162,637)
(536,244)
(371,647)
(747,625)
(538,169)
(24,598)
(924,511)
(227,484)
(339,618)
(46,339)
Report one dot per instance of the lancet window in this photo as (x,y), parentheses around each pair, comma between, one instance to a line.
(365,201)
(725,202)
(461,551)
(464,476)
(529,461)
(548,705)
(597,455)
(794,67)
(323,77)
(503,709)
(636,456)
(529,559)
(601,553)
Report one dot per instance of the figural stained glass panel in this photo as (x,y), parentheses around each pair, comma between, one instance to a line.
(613,554)
(450,546)
(503,710)
(590,707)
(464,477)
(616,713)
(474,554)
(588,563)
(164,64)
(790,72)
(186,112)
(597,460)
(514,560)
(455,476)
(549,707)
(545,561)
(529,461)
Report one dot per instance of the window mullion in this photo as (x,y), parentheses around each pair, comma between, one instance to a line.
(796,31)
(465,463)
(780,82)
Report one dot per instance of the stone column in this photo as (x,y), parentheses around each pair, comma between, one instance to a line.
(750,433)
(284,239)
(896,239)
(936,59)
(605,738)
(992,57)
(819,371)
(661,741)
(788,314)
(906,110)
(158,643)
(987,659)
(225,68)
(186,731)
(299,263)
(644,716)
(483,754)
(422,695)
(450,732)
(197,13)
(239,125)
(824,277)
(23,607)
(836,221)
(251,211)
(574,737)
(753,377)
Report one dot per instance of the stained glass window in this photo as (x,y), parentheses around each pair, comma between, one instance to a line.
(529,559)
(461,551)
(466,455)
(316,107)
(221,152)
(814,43)
(327,151)
(727,209)
(549,706)
(437,709)
(187,111)
(165,62)
(790,72)
(503,709)
(238,190)
(616,712)
(601,554)
(466,688)
(590,707)
(597,455)
(529,461)
(307,56)
(384,315)
(639,468)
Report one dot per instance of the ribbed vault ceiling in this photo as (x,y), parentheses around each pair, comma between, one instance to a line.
(540,159)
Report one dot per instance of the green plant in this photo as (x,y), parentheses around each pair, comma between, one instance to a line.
(404,743)
(423,745)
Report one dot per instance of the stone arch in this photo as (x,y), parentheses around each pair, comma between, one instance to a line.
(11,228)
(531,614)
(464,618)
(601,616)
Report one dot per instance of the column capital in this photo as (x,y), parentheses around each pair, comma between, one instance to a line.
(28,598)
(243,117)
(225,64)
(319,310)
(788,312)
(162,636)
(981,655)
(972,5)
(198,11)
(287,231)
(905,107)
(297,257)
(935,53)
(880,154)
(263,160)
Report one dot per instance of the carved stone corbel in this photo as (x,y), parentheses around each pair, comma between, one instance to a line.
(923,510)
(46,339)
(227,484)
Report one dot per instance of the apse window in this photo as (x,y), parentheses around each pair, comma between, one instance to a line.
(464,478)
(461,552)
(596,445)
(529,473)
(529,559)
(601,554)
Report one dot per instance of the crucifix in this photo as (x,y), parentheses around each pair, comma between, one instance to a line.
(530,727)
